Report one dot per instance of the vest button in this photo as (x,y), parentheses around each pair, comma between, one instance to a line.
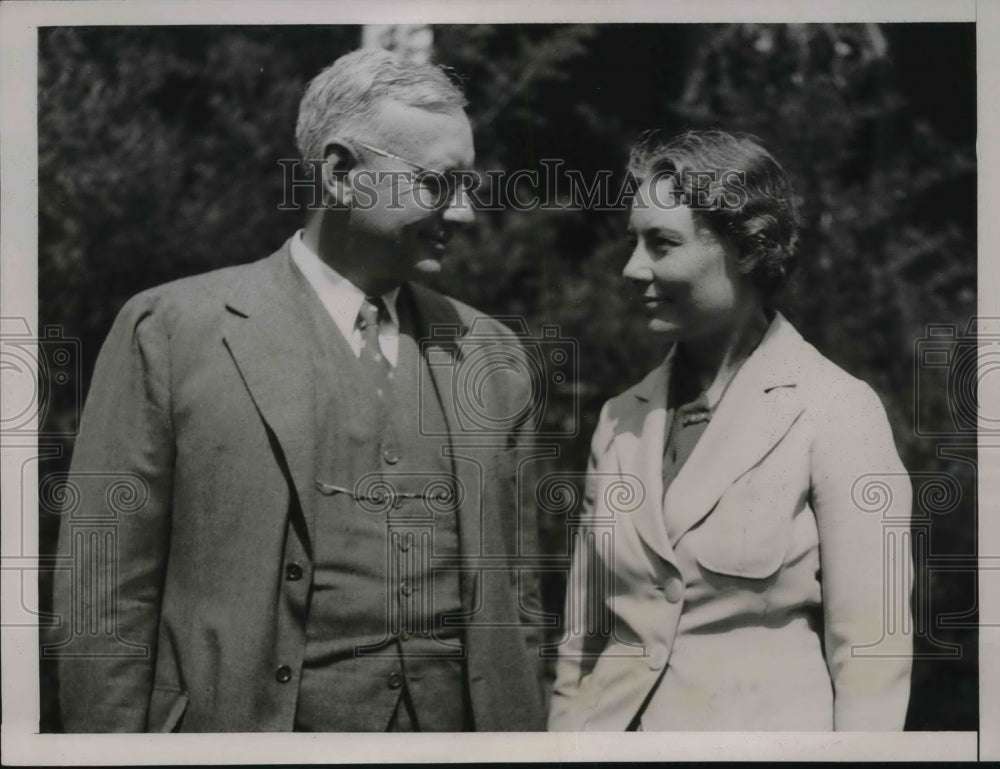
(674,590)
(395,680)
(293,572)
(283,674)
(390,456)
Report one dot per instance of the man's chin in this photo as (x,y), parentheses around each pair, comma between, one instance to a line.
(427,266)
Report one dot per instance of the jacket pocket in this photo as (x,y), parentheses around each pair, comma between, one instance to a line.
(166,709)
(748,534)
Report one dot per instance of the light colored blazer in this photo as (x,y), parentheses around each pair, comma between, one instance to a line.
(769,588)
(203,399)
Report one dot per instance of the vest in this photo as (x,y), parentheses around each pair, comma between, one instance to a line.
(376,628)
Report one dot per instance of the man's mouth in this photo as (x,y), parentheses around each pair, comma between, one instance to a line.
(436,241)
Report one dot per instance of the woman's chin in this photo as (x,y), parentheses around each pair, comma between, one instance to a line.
(665,328)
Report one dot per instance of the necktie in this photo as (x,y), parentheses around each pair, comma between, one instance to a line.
(374,312)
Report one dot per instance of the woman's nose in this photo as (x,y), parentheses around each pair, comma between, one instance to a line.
(638,267)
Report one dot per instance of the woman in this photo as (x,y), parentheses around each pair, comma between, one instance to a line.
(730,572)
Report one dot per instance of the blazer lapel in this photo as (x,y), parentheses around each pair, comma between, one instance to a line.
(265,337)
(639,444)
(759,407)
(440,328)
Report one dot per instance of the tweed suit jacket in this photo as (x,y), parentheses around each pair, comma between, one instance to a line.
(202,398)
(769,587)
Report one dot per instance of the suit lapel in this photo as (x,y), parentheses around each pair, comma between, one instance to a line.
(760,406)
(639,444)
(265,336)
(440,328)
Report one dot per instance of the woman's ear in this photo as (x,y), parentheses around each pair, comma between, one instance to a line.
(746,263)
(338,160)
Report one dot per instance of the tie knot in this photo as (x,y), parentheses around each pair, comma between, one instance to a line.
(373,311)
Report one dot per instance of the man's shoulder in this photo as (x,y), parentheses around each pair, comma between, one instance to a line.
(472,321)
(194,296)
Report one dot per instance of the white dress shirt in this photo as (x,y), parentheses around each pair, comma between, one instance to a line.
(343,300)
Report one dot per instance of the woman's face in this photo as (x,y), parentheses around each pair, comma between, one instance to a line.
(688,279)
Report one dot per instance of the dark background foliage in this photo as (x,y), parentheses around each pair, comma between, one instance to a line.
(158,152)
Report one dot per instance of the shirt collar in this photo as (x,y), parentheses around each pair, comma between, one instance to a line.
(341,298)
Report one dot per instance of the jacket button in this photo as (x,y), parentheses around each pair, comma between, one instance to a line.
(390,456)
(395,680)
(405,588)
(283,674)
(674,590)
(293,572)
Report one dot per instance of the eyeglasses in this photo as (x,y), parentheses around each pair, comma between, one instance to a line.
(387,154)
(439,184)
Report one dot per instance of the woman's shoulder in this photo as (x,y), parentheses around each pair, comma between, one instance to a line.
(831,395)
(821,377)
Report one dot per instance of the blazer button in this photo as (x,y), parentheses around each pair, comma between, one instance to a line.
(390,456)
(674,590)
(293,572)
(395,680)
(283,674)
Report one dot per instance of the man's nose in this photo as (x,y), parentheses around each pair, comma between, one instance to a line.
(639,267)
(459,209)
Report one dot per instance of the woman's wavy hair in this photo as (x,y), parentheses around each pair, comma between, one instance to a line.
(737,189)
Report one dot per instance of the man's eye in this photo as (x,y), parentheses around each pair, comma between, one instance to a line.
(436,185)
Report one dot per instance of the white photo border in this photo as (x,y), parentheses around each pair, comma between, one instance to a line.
(21,742)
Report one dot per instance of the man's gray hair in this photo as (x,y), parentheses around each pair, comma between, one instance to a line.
(345,95)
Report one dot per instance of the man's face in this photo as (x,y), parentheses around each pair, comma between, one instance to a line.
(398,222)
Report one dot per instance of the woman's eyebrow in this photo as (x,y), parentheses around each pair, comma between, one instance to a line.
(667,232)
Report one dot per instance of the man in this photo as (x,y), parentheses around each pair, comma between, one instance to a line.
(319,541)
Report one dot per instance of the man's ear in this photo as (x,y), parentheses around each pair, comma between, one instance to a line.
(338,160)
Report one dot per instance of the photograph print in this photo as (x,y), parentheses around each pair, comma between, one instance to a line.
(507,378)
